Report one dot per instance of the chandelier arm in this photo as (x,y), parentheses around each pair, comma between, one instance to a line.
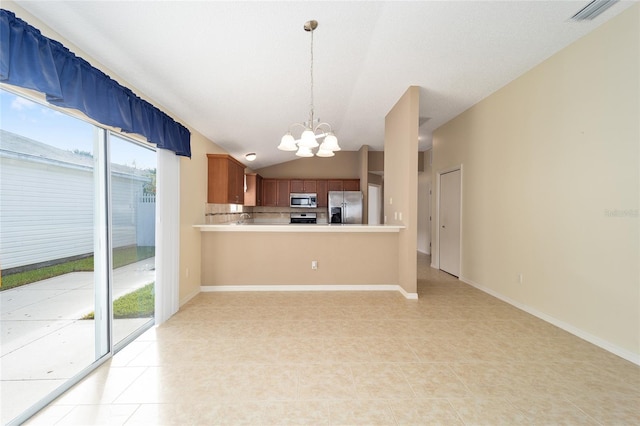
(297,124)
(321,125)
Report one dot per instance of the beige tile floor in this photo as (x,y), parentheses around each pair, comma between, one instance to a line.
(455,356)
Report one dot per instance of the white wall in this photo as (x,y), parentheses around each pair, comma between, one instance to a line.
(547,160)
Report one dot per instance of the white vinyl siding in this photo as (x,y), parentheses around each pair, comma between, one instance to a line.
(47,209)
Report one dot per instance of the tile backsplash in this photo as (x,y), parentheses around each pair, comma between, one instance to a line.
(229,213)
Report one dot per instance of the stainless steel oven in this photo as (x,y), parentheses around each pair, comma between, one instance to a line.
(304,218)
(309,201)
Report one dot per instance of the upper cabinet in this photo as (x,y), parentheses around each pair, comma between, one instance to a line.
(275,192)
(351,184)
(321,190)
(253,194)
(335,185)
(225,180)
(269,192)
(343,184)
(303,186)
(284,189)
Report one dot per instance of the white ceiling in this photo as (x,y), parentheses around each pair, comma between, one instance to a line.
(238,72)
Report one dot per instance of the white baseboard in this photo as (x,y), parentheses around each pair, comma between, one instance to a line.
(410,296)
(607,346)
(328,287)
(189,297)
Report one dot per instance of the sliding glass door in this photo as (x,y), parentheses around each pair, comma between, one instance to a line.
(77,244)
(133,201)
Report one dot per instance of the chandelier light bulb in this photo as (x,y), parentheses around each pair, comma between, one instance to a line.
(308,139)
(331,143)
(324,152)
(288,143)
(304,152)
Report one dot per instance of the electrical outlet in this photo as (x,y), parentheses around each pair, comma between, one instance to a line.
(186,272)
(520,278)
(400,215)
(314,264)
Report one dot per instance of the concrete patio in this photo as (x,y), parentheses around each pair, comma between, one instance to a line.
(44,341)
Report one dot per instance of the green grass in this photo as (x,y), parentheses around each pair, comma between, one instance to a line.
(137,304)
(121,257)
(27,277)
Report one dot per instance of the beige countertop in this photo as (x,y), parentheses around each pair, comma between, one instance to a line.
(262,227)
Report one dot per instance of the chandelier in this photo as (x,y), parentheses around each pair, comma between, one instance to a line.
(313,128)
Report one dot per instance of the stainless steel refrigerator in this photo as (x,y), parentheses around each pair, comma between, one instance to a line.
(345,207)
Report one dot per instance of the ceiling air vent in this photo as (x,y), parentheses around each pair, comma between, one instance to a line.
(592,10)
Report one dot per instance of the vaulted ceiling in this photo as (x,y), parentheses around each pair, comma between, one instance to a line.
(238,72)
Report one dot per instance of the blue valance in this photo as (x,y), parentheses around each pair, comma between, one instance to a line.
(30,60)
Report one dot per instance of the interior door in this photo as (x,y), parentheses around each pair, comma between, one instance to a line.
(449,225)
(374,205)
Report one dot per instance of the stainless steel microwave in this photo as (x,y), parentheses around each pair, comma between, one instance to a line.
(309,201)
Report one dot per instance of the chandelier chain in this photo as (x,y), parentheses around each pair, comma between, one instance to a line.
(311,106)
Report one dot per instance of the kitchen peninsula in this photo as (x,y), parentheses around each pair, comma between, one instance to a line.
(278,257)
(257,242)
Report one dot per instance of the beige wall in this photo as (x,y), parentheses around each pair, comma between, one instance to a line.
(376,161)
(344,165)
(269,258)
(375,179)
(545,161)
(401,180)
(193,198)
(424,204)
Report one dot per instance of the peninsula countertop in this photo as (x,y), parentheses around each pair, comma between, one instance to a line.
(286,227)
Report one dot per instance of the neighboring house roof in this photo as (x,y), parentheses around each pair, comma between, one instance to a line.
(16,146)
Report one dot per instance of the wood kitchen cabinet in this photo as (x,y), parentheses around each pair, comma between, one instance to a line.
(303,186)
(321,190)
(269,192)
(351,184)
(343,184)
(334,185)
(225,180)
(275,192)
(283,192)
(253,194)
